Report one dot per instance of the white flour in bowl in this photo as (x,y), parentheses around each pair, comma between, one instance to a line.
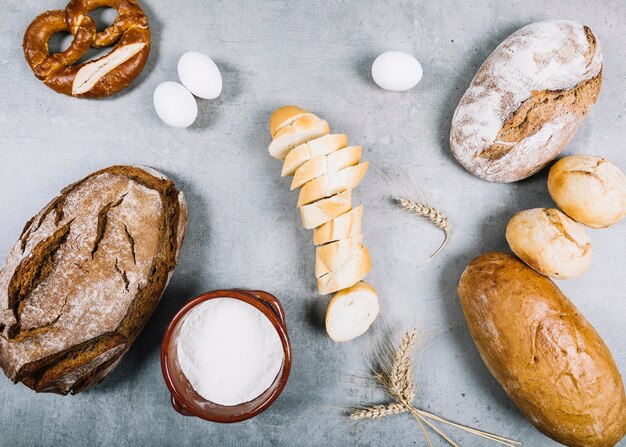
(229,351)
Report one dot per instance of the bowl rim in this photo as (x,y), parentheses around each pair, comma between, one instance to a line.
(265,302)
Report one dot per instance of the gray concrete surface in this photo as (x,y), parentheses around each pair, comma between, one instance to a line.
(243,227)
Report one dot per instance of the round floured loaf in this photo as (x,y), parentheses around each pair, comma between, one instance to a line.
(527,100)
(85,275)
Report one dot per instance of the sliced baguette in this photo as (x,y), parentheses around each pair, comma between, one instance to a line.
(329,184)
(326,164)
(347,275)
(303,129)
(351,312)
(331,257)
(284,116)
(341,227)
(320,146)
(320,212)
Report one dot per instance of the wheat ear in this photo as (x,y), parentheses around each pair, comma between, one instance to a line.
(431,213)
(395,375)
(376,411)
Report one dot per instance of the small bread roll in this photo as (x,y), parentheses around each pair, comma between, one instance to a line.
(589,189)
(550,242)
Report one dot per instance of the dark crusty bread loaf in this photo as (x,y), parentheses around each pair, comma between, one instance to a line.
(548,358)
(527,100)
(85,275)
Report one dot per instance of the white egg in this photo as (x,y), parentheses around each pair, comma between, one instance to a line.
(174,104)
(396,71)
(200,75)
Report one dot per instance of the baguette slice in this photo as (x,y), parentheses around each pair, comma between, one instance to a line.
(320,212)
(284,116)
(341,227)
(351,312)
(348,275)
(320,146)
(329,184)
(300,131)
(331,257)
(326,164)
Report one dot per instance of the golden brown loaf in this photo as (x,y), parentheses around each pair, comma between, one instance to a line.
(550,242)
(527,100)
(589,189)
(547,357)
(85,275)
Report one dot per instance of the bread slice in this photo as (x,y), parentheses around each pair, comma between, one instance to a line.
(303,129)
(347,275)
(320,212)
(329,184)
(351,312)
(320,146)
(284,116)
(341,227)
(331,257)
(326,164)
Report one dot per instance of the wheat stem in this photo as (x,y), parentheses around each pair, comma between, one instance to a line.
(433,215)
(394,374)
(439,432)
(491,436)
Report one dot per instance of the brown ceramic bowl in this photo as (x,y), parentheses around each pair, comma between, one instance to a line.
(185,400)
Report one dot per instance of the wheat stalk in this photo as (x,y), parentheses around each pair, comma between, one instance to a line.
(376,411)
(396,377)
(432,214)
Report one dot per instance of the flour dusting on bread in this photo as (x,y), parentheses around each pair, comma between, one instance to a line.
(549,56)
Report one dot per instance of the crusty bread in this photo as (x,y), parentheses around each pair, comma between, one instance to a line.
(314,148)
(589,189)
(320,212)
(347,275)
(327,171)
(329,184)
(326,164)
(527,100)
(547,357)
(550,242)
(341,227)
(85,275)
(303,129)
(351,312)
(331,257)
(284,116)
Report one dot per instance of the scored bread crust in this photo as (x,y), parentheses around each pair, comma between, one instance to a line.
(85,275)
(527,100)
(96,78)
(547,357)
(550,242)
(589,189)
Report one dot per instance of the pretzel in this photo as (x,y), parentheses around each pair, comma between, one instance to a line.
(99,77)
